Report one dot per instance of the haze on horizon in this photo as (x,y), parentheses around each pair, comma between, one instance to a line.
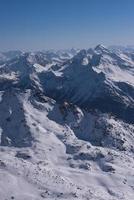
(57,24)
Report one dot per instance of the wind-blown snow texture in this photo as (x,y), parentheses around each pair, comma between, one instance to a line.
(67,125)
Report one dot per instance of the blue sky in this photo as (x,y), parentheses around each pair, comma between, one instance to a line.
(43,24)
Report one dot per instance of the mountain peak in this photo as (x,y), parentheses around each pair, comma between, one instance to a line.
(101,48)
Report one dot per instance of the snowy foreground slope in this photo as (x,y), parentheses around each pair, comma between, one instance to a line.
(67,125)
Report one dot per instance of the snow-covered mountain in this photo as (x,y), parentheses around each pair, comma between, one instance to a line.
(67,125)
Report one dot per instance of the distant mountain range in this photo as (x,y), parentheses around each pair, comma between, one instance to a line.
(67,124)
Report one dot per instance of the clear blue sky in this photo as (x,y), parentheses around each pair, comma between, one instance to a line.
(41,24)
